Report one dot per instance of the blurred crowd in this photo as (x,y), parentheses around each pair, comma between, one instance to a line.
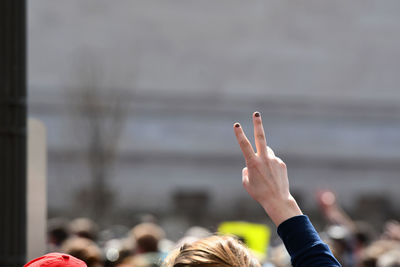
(354,243)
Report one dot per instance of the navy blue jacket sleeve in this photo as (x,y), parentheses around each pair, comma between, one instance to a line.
(304,245)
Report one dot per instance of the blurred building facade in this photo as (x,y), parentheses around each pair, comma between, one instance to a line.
(323,74)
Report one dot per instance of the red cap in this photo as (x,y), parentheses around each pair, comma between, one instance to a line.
(56,260)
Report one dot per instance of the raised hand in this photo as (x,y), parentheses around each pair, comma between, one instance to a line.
(332,210)
(265,177)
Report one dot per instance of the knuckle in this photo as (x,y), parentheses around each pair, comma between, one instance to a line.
(270,158)
(276,161)
(281,163)
(251,163)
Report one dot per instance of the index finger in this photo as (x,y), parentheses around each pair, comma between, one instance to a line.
(244,143)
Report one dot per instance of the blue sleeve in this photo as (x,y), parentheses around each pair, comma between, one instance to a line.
(303,243)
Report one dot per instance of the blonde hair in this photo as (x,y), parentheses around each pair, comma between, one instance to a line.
(213,251)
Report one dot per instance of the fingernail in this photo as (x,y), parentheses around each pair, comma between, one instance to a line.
(257,114)
(237,125)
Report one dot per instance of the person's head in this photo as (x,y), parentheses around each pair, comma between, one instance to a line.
(57,231)
(83,227)
(213,251)
(84,249)
(363,234)
(56,260)
(147,236)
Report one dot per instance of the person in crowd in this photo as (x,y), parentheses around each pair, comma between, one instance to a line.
(147,236)
(85,250)
(371,255)
(56,260)
(147,254)
(265,178)
(57,233)
(116,251)
(341,242)
(348,238)
(83,227)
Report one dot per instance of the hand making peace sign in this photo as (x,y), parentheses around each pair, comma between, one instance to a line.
(265,177)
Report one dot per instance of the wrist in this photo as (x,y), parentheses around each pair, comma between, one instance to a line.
(282,210)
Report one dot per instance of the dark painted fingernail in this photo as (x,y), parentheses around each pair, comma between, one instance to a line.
(237,125)
(257,114)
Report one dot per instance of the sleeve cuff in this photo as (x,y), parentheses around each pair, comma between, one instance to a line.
(298,233)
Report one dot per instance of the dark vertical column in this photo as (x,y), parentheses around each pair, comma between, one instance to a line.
(12,133)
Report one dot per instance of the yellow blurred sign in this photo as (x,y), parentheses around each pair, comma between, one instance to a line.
(255,236)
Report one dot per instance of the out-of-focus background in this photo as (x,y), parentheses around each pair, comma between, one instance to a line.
(139,99)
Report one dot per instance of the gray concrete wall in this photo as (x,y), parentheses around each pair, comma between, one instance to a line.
(324,75)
